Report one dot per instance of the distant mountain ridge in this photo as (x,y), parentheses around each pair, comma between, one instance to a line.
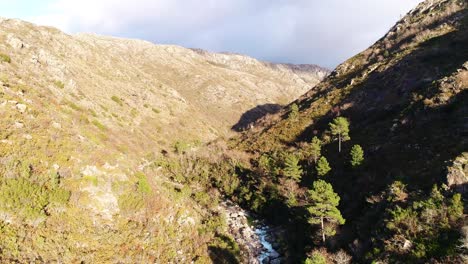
(197,80)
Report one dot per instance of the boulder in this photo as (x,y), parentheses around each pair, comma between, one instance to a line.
(21,108)
(457,177)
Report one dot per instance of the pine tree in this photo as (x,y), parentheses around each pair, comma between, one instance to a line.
(323,206)
(292,169)
(357,155)
(455,208)
(294,111)
(313,150)
(322,166)
(340,128)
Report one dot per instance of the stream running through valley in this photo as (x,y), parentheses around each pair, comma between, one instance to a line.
(254,238)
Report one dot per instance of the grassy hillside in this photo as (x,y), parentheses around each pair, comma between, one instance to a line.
(104,155)
(85,122)
(405,99)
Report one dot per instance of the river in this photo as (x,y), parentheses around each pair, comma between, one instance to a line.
(254,237)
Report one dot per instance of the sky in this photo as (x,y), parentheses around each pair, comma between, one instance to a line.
(323,32)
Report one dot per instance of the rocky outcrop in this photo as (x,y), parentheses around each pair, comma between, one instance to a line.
(457,177)
(255,240)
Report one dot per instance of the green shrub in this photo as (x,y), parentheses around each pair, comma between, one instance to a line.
(293,111)
(23,197)
(130,202)
(74,106)
(134,112)
(224,249)
(316,258)
(117,100)
(429,223)
(92,112)
(99,125)
(92,179)
(5,58)
(9,241)
(27,199)
(59,196)
(181,147)
(202,198)
(59,84)
(143,184)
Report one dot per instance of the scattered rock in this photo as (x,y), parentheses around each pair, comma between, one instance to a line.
(21,108)
(407,244)
(15,42)
(107,166)
(90,171)
(56,125)
(18,125)
(457,177)
(6,141)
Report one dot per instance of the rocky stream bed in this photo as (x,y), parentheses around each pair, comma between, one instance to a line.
(254,238)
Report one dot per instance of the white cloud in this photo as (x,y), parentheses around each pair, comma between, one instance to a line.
(299,31)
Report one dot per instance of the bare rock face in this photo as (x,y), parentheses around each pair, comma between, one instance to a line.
(15,42)
(457,177)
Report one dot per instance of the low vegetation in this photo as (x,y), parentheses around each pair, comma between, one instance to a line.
(364,168)
(117,100)
(5,58)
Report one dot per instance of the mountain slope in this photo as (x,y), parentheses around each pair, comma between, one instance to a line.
(396,87)
(85,124)
(406,100)
(210,90)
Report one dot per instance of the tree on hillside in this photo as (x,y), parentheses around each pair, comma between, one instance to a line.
(340,128)
(292,169)
(323,207)
(312,150)
(294,111)
(322,166)
(357,155)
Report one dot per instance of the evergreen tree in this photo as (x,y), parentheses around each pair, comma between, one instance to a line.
(313,150)
(455,208)
(294,111)
(322,166)
(340,127)
(323,206)
(357,155)
(292,169)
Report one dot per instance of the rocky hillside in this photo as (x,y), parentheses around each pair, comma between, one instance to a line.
(398,86)
(182,93)
(86,122)
(405,98)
